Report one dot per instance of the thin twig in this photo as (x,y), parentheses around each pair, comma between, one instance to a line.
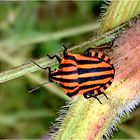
(21,40)
(29,67)
(51,87)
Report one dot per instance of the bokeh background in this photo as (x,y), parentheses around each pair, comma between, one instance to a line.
(27,31)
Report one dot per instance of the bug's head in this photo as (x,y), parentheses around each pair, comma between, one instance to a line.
(54,76)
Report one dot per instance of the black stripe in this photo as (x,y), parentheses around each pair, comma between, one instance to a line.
(70,57)
(99,91)
(96,54)
(68,72)
(103,56)
(82,80)
(66,80)
(87,54)
(66,65)
(108,60)
(104,87)
(64,73)
(66,87)
(82,62)
(82,70)
(73,93)
(109,82)
(90,86)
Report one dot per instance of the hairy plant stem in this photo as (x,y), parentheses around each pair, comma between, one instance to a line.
(86,120)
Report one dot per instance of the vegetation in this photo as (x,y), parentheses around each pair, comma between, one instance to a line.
(40,28)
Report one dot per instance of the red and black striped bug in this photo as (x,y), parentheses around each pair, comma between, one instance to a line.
(88,74)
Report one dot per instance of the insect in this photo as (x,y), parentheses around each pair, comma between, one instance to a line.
(88,74)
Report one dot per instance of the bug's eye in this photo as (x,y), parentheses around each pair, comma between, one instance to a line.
(55,69)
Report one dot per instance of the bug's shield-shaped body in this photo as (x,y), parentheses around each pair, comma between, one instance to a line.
(88,74)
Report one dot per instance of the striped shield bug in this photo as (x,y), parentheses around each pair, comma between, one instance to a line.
(88,74)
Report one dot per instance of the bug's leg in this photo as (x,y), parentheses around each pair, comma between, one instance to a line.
(55,56)
(37,87)
(97,99)
(49,74)
(87,95)
(49,69)
(95,96)
(112,43)
(87,50)
(101,47)
(106,46)
(44,68)
(105,95)
(89,53)
(65,49)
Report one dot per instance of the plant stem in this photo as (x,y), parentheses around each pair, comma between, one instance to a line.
(119,12)
(91,120)
(88,119)
(26,40)
(29,67)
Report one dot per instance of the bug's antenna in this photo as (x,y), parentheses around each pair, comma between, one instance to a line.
(105,95)
(98,100)
(37,87)
(39,65)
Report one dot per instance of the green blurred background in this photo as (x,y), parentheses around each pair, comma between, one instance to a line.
(23,27)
